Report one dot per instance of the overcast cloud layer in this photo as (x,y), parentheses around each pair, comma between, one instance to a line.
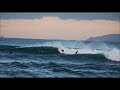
(58,28)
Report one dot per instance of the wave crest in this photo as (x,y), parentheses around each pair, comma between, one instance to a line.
(113,54)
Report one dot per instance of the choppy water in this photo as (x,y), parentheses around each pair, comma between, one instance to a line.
(44,58)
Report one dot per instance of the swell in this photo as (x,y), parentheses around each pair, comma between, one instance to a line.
(32,50)
(45,50)
(113,54)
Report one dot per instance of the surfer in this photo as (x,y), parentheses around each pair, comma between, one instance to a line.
(77,52)
(62,50)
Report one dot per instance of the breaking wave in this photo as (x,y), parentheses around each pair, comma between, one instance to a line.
(113,54)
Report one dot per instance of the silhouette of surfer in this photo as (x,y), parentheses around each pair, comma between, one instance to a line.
(77,52)
(62,50)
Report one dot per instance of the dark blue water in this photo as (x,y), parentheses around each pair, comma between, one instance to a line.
(43,59)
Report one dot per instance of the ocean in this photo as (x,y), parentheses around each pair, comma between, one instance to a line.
(39,58)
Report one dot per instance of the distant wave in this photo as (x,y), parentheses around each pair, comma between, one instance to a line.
(113,54)
(33,50)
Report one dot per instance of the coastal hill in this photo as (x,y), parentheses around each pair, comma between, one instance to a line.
(110,37)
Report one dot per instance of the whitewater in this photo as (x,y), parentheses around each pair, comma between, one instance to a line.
(111,53)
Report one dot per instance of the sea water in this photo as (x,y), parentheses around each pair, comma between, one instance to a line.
(39,58)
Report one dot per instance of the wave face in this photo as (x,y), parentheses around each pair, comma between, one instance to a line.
(113,54)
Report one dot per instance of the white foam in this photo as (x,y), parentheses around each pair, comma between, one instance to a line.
(69,48)
(113,54)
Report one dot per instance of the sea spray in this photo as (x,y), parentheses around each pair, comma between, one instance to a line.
(113,54)
(82,48)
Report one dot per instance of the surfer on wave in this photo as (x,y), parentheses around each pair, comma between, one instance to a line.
(77,52)
(62,50)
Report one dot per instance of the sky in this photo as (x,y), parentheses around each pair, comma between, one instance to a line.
(70,26)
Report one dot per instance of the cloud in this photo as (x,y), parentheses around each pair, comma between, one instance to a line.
(57,28)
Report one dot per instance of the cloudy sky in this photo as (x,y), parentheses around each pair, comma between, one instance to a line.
(73,26)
